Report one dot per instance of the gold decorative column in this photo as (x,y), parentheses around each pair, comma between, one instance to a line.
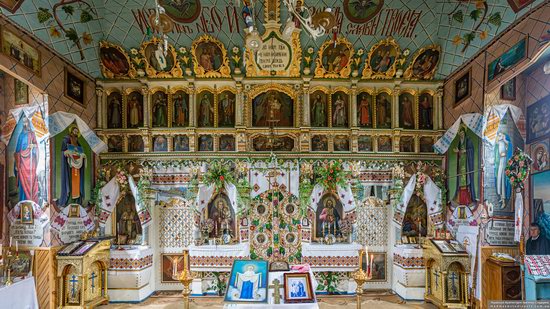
(353,108)
(101,103)
(192,107)
(146,106)
(239,105)
(395,107)
(438,110)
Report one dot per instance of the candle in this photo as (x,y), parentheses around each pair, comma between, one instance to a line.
(370,271)
(186,259)
(16,246)
(11,238)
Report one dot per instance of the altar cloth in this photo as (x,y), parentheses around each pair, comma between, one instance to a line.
(20,295)
(538,265)
(339,256)
(218,256)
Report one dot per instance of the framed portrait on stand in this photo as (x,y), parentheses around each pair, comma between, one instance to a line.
(298,288)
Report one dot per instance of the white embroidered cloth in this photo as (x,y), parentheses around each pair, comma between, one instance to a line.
(330,250)
(238,250)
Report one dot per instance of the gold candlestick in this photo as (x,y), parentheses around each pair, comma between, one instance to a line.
(186,278)
(361,276)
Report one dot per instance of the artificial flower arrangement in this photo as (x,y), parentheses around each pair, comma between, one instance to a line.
(518,167)
(332,175)
(218,174)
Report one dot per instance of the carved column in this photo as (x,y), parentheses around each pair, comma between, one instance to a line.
(239,106)
(192,107)
(306,121)
(353,108)
(438,110)
(101,121)
(146,106)
(395,107)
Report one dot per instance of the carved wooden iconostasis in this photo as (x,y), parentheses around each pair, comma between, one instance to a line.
(267,162)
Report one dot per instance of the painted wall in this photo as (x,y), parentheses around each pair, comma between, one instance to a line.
(534,24)
(413,23)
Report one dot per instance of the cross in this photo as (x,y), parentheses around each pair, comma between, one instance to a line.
(436,275)
(276,293)
(73,282)
(453,277)
(93,276)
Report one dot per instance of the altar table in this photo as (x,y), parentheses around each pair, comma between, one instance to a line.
(336,257)
(279,275)
(217,257)
(20,295)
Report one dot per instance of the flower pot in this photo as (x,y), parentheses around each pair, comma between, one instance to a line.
(237,70)
(355,73)
(188,72)
(399,73)
(307,71)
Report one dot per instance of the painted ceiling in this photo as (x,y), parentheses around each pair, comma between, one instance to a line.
(461,27)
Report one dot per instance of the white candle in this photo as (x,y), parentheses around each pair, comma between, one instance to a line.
(371,258)
(11,238)
(16,246)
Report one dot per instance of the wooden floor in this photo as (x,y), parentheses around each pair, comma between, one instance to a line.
(379,300)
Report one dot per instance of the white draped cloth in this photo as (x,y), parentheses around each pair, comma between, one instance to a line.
(494,115)
(206,192)
(109,196)
(288,178)
(20,295)
(432,197)
(473,121)
(345,196)
(59,121)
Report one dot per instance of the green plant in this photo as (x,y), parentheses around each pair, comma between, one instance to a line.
(220,282)
(479,16)
(69,7)
(218,174)
(331,175)
(329,282)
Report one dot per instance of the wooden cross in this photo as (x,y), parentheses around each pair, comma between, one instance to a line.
(277,292)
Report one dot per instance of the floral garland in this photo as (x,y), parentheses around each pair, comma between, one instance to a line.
(332,175)
(518,168)
(218,174)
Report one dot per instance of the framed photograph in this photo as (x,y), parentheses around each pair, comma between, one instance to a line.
(20,51)
(247,282)
(279,266)
(378,265)
(518,5)
(507,60)
(463,88)
(11,5)
(298,288)
(21,92)
(538,125)
(74,87)
(171,267)
(22,267)
(508,90)
(540,188)
(27,214)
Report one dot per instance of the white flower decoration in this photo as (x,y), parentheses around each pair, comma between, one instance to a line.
(310,50)
(235,50)
(406,52)
(133,51)
(360,52)
(183,50)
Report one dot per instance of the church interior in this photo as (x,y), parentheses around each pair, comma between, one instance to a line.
(264,154)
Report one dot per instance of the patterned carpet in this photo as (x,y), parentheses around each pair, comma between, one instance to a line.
(378,300)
